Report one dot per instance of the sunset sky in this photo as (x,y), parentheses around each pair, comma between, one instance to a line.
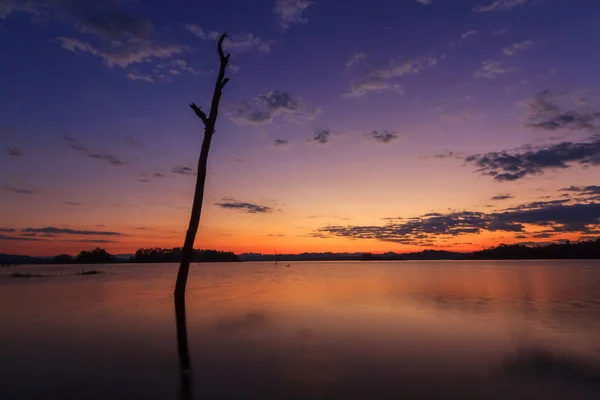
(381,125)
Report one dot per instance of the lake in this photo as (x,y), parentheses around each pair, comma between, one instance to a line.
(319,330)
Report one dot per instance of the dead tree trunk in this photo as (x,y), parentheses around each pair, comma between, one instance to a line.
(209,128)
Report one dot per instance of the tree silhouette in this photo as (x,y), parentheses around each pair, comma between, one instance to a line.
(96,256)
(209,128)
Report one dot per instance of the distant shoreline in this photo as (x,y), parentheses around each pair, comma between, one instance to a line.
(587,250)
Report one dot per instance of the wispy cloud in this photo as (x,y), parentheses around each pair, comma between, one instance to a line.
(127,53)
(14,151)
(281,142)
(18,238)
(72,203)
(504,196)
(382,136)
(182,170)
(510,50)
(137,76)
(246,43)
(264,108)
(7,230)
(97,241)
(112,160)
(75,145)
(468,34)
(12,189)
(235,43)
(250,208)
(490,69)
(381,79)
(356,58)
(288,12)
(425,2)
(196,30)
(144,178)
(67,231)
(499,5)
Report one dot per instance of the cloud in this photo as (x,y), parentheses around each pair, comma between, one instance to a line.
(144,178)
(458,117)
(14,151)
(321,136)
(281,142)
(501,31)
(468,34)
(7,230)
(505,196)
(183,170)
(591,190)
(288,12)
(114,35)
(380,79)
(544,112)
(509,166)
(382,136)
(124,54)
(111,159)
(184,66)
(264,108)
(425,2)
(235,43)
(355,58)
(72,203)
(249,208)
(426,229)
(448,154)
(490,69)
(12,189)
(158,175)
(137,76)
(19,238)
(499,5)
(196,30)
(246,43)
(67,231)
(98,241)
(510,50)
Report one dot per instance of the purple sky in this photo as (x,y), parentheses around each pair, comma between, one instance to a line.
(347,126)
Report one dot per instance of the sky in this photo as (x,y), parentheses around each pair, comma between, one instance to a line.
(380,125)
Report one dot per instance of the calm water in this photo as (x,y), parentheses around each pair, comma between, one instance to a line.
(493,330)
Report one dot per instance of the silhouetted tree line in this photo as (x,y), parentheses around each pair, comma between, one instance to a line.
(95,256)
(579,250)
(158,255)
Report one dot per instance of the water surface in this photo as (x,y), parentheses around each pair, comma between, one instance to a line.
(484,329)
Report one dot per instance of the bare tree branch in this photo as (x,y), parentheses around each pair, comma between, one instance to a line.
(222,55)
(199,113)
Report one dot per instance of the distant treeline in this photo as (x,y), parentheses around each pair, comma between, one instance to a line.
(578,250)
(153,255)
(158,255)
